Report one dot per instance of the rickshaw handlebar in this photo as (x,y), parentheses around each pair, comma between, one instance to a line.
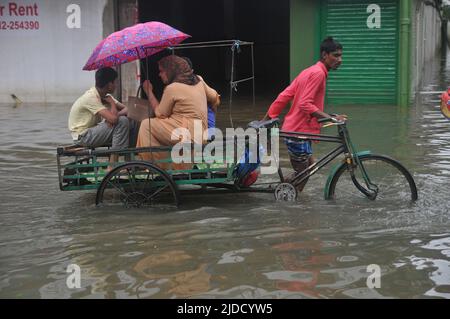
(331,119)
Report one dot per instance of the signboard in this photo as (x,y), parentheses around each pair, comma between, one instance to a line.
(17,16)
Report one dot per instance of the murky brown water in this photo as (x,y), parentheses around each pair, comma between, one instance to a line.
(228,245)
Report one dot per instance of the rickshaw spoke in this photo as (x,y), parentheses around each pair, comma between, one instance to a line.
(132,180)
(145,183)
(118,189)
(156,193)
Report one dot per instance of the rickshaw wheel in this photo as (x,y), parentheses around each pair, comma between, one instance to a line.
(286,192)
(138,184)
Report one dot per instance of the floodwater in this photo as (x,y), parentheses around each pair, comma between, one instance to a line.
(242,245)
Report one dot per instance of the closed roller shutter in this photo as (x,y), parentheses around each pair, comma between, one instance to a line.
(368,74)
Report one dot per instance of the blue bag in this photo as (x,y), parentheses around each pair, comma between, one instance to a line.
(244,167)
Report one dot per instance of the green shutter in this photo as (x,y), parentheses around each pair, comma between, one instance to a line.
(368,74)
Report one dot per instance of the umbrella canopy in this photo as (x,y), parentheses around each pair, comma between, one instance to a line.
(136,42)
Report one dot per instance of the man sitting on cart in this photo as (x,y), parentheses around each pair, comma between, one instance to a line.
(92,123)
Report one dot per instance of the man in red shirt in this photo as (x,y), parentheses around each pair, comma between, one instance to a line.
(307,93)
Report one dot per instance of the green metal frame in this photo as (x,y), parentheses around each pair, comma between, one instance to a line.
(87,174)
(404,89)
(304,34)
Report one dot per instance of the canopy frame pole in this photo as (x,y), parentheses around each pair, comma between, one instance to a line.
(232,86)
(253,76)
(235,45)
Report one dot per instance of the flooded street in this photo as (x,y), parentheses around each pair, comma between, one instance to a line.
(230,245)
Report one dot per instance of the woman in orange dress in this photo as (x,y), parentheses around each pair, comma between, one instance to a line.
(183,103)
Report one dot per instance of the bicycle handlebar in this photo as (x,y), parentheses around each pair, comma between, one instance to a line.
(329,119)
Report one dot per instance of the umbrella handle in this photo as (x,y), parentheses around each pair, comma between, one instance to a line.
(139,90)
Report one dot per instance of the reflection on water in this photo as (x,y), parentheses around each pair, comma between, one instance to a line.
(228,245)
(168,268)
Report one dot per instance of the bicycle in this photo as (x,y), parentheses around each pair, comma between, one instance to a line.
(137,183)
(375,176)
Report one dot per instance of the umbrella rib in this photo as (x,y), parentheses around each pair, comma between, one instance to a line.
(137,52)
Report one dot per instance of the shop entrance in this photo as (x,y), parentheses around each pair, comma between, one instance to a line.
(266,23)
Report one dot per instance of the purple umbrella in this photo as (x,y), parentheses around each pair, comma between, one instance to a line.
(136,42)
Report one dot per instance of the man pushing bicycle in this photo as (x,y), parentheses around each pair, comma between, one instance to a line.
(308,94)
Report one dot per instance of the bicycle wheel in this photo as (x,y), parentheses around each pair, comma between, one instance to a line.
(392,179)
(137,184)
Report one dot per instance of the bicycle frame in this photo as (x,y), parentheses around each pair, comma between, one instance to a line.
(345,147)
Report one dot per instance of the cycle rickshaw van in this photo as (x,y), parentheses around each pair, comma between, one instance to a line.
(137,183)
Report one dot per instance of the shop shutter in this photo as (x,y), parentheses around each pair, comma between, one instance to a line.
(369,73)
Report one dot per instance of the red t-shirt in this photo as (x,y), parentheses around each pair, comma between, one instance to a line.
(308,94)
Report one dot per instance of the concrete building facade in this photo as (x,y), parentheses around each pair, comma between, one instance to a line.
(45,43)
(427,40)
(387,44)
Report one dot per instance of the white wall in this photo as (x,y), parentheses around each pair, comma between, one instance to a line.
(426,41)
(45,65)
(128,16)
